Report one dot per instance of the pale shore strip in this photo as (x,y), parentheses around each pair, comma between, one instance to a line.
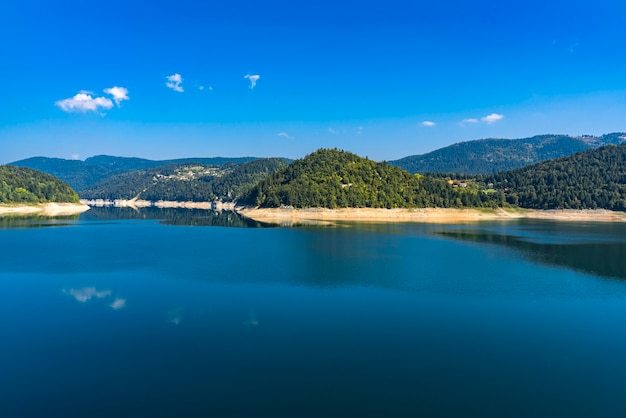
(43,209)
(288,216)
(162,204)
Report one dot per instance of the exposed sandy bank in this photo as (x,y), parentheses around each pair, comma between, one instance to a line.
(45,209)
(427,215)
(136,203)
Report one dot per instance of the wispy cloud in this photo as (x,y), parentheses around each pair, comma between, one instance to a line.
(118,303)
(428,123)
(118,93)
(285,135)
(359,130)
(492,118)
(489,119)
(85,294)
(253,79)
(175,82)
(84,102)
(333,131)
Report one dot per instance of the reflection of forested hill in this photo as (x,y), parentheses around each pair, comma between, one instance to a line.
(606,259)
(181,217)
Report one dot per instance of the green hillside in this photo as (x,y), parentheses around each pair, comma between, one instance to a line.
(25,185)
(488,156)
(186,181)
(331,178)
(81,175)
(587,180)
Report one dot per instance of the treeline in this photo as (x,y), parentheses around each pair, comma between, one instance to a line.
(332,178)
(227,182)
(24,185)
(587,180)
(82,175)
(488,156)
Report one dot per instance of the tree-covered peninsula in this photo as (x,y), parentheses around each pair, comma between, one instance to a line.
(27,186)
(331,178)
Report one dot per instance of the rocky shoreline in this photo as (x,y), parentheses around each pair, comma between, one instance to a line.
(215,205)
(43,209)
(290,216)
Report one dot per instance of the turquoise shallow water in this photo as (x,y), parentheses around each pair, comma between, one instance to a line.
(174,313)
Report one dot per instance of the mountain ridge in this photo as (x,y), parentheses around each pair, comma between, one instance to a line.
(492,155)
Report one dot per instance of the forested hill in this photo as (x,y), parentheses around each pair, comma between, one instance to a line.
(81,175)
(185,181)
(25,185)
(331,178)
(587,180)
(488,156)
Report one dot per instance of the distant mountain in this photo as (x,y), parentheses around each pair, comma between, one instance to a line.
(25,185)
(488,156)
(332,178)
(81,175)
(76,173)
(587,180)
(189,181)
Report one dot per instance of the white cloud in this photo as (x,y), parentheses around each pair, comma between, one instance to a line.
(175,82)
(85,294)
(118,303)
(118,93)
(359,130)
(253,79)
(428,123)
(469,120)
(200,88)
(333,131)
(75,157)
(285,135)
(492,118)
(84,102)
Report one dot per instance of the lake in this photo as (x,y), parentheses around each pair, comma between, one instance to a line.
(169,313)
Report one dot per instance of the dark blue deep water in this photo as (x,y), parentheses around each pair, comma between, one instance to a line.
(184,314)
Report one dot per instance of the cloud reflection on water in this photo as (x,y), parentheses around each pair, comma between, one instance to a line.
(118,303)
(85,294)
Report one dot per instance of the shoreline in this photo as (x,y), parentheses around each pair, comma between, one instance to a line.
(289,216)
(44,209)
(215,205)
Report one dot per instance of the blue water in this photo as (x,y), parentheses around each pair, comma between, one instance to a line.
(119,314)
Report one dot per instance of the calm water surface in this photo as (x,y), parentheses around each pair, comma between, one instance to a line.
(192,314)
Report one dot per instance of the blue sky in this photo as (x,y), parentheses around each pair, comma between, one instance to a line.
(278,78)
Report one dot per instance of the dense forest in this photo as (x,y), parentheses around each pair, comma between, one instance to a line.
(587,180)
(331,178)
(186,182)
(489,156)
(24,185)
(81,175)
